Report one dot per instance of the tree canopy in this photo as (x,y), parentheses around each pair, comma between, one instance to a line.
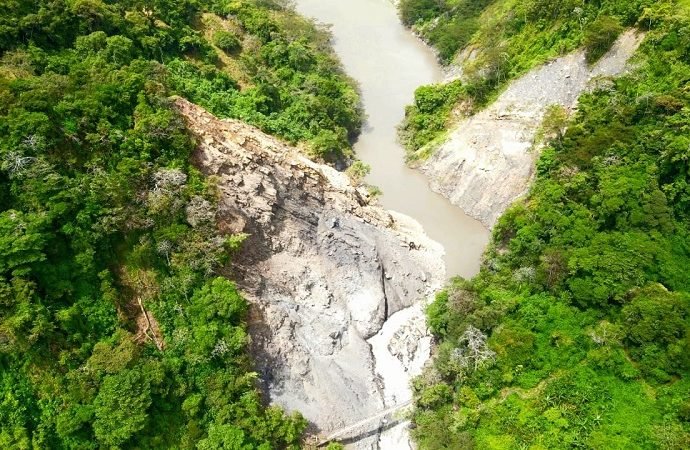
(583,298)
(115,329)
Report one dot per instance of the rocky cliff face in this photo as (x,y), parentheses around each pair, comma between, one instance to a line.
(336,283)
(487,162)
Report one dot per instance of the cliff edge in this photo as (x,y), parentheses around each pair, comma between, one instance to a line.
(325,270)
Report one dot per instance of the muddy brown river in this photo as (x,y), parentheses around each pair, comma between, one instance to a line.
(389,63)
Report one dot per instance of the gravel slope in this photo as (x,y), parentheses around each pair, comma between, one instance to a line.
(487,162)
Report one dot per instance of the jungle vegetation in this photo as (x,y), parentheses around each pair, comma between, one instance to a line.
(576,332)
(115,329)
(495,42)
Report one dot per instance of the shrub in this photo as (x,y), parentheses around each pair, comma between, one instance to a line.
(600,36)
(427,118)
(227,41)
(358,171)
(412,11)
(328,145)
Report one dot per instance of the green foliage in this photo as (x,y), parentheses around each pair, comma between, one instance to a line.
(526,32)
(600,36)
(227,41)
(358,171)
(21,242)
(120,407)
(583,297)
(327,145)
(297,89)
(554,123)
(495,41)
(114,330)
(413,11)
(224,437)
(447,24)
(427,118)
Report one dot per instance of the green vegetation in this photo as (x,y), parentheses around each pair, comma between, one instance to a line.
(499,40)
(576,333)
(358,171)
(227,41)
(447,24)
(429,116)
(600,36)
(115,331)
(293,86)
(514,35)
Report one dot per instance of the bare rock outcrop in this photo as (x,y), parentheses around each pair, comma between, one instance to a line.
(487,161)
(325,270)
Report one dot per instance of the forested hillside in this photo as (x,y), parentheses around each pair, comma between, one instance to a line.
(114,330)
(495,41)
(576,333)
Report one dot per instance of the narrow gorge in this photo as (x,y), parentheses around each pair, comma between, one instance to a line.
(361,224)
(338,283)
(342,327)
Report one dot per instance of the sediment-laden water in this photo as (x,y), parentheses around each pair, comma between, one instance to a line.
(389,63)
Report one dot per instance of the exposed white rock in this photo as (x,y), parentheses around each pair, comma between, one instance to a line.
(487,162)
(325,270)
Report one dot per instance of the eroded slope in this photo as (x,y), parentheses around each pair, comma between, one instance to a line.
(324,269)
(487,163)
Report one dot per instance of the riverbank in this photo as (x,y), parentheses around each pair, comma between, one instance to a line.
(389,63)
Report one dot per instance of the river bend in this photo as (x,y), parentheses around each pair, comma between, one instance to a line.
(389,63)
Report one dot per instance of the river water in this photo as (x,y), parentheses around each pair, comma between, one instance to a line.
(389,63)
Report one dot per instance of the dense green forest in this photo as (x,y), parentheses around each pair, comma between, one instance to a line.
(576,333)
(518,33)
(498,40)
(114,329)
